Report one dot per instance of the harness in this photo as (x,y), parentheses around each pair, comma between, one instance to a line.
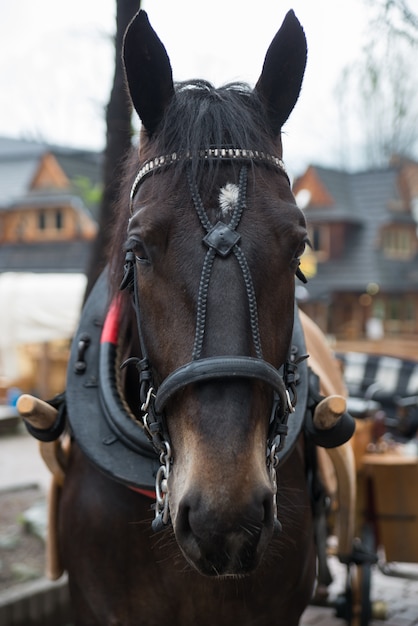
(101,421)
(221,241)
(137,452)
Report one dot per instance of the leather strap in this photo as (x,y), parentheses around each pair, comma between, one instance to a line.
(213,368)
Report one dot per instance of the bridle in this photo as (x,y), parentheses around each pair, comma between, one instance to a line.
(157,164)
(221,240)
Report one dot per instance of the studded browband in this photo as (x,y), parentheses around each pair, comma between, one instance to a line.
(227,154)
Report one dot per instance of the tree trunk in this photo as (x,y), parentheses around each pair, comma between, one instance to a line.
(118,144)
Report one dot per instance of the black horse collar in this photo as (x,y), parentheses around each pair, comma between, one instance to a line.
(100,420)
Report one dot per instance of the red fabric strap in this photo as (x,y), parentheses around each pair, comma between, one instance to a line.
(145,492)
(111,325)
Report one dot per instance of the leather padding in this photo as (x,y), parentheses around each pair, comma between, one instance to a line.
(104,430)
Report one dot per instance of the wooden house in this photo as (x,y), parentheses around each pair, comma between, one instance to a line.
(363,271)
(47,220)
(48,200)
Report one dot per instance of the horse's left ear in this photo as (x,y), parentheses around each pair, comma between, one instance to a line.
(281,78)
(148,71)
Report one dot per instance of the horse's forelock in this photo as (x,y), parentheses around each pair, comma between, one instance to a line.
(201,116)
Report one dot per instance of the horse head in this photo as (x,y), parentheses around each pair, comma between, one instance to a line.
(214,238)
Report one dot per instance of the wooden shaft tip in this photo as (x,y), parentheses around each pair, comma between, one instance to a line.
(36,412)
(26,404)
(336,404)
(328,411)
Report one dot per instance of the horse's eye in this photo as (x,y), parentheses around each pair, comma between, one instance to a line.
(298,253)
(296,260)
(300,250)
(302,247)
(139,250)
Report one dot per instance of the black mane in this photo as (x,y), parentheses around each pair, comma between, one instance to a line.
(201,116)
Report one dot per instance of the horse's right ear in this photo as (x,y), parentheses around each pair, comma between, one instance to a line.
(148,71)
(284,66)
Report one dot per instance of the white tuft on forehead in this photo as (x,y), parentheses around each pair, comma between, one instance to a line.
(228,198)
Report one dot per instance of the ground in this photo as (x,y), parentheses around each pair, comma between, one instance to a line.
(22,552)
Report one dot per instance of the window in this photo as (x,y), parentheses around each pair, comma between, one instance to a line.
(398,243)
(394,309)
(42,220)
(51,220)
(320,239)
(59,219)
(378,309)
(410,316)
(398,313)
(410,312)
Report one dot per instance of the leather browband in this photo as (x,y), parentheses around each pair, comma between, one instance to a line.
(156,164)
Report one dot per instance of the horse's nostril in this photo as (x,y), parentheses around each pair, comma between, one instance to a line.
(266,499)
(221,540)
(183,520)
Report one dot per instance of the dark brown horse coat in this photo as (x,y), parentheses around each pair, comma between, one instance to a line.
(222,560)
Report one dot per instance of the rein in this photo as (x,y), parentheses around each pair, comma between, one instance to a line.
(221,240)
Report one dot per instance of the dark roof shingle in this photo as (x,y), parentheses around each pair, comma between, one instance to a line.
(365,196)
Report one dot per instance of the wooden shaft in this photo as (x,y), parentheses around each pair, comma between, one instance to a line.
(54,458)
(329,411)
(38,413)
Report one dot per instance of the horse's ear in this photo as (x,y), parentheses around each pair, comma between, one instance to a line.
(148,71)
(281,78)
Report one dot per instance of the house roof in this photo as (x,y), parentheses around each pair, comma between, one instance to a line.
(19,162)
(11,148)
(36,174)
(15,178)
(47,197)
(362,200)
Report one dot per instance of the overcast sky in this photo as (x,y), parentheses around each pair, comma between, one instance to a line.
(56,65)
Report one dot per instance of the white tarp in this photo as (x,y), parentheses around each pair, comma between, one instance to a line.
(36,308)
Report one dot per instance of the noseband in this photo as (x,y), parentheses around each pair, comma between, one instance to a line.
(221,240)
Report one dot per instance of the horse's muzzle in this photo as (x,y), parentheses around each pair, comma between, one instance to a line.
(225,543)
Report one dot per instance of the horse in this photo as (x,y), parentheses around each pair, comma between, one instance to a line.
(187,496)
